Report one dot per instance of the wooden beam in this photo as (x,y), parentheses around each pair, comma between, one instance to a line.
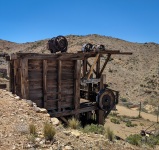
(98,68)
(84,67)
(105,63)
(59,84)
(102,81)
(92,67)
(72,112)
(45,83)
(77,84)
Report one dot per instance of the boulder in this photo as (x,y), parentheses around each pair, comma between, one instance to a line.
(55,121)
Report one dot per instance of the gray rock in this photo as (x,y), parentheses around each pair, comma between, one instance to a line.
(55,121)
(67,148)
(43,110)
(29,102)
(17,98)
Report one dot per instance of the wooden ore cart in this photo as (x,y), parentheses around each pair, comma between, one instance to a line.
(66,84)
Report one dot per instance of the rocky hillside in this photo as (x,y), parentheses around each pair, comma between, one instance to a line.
(16,117)
(135,76)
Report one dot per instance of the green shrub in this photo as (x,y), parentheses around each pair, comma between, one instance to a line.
(153,140)
(94,128)
(134,139)
(109,134)
(74,123)
(32,129)
(49,131)
(123,99)
(114,120)
(130,124)
(31,138)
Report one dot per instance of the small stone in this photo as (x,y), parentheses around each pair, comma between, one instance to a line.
(55,121)
(42,142)
(37,139)
(68,148)
(37,109)
(29,102)
(14,147)
(75,133)
(17,98)
(43,110)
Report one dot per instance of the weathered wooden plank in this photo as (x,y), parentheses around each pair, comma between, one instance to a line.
(59,84)
(102,81)
(45,83)
(72,112)
(90,67)
(98,67)
(24,78)
(100,117)
(77,85)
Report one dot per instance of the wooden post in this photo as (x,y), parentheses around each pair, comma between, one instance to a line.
(77,85)
(98,68)
(11,76)
(100,116)
(59,84)
(45,83)
(84,66)
(24,78)
(102,81)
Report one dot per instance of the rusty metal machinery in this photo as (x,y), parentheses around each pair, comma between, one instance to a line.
(87,47)
(90,47)
(57,44)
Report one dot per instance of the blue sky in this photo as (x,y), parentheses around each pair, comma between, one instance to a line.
(31,20)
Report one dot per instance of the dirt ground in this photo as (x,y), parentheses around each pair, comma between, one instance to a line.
(143,123)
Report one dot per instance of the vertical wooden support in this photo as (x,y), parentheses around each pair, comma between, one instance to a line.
(77,85)
(24,78)
(45,84)
(100,113)
(102,81)
(59,84)
(98,68)
(100,117)
(84,66)
(11,76)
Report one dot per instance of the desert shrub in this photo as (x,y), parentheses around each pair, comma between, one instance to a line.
(130,124)
(31,138)
(49,131)
(73,123)
(123,99)
(114,120)
(32,129)
(94,128)
(153,140)
(113,114)
(134,139)
(109,134)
